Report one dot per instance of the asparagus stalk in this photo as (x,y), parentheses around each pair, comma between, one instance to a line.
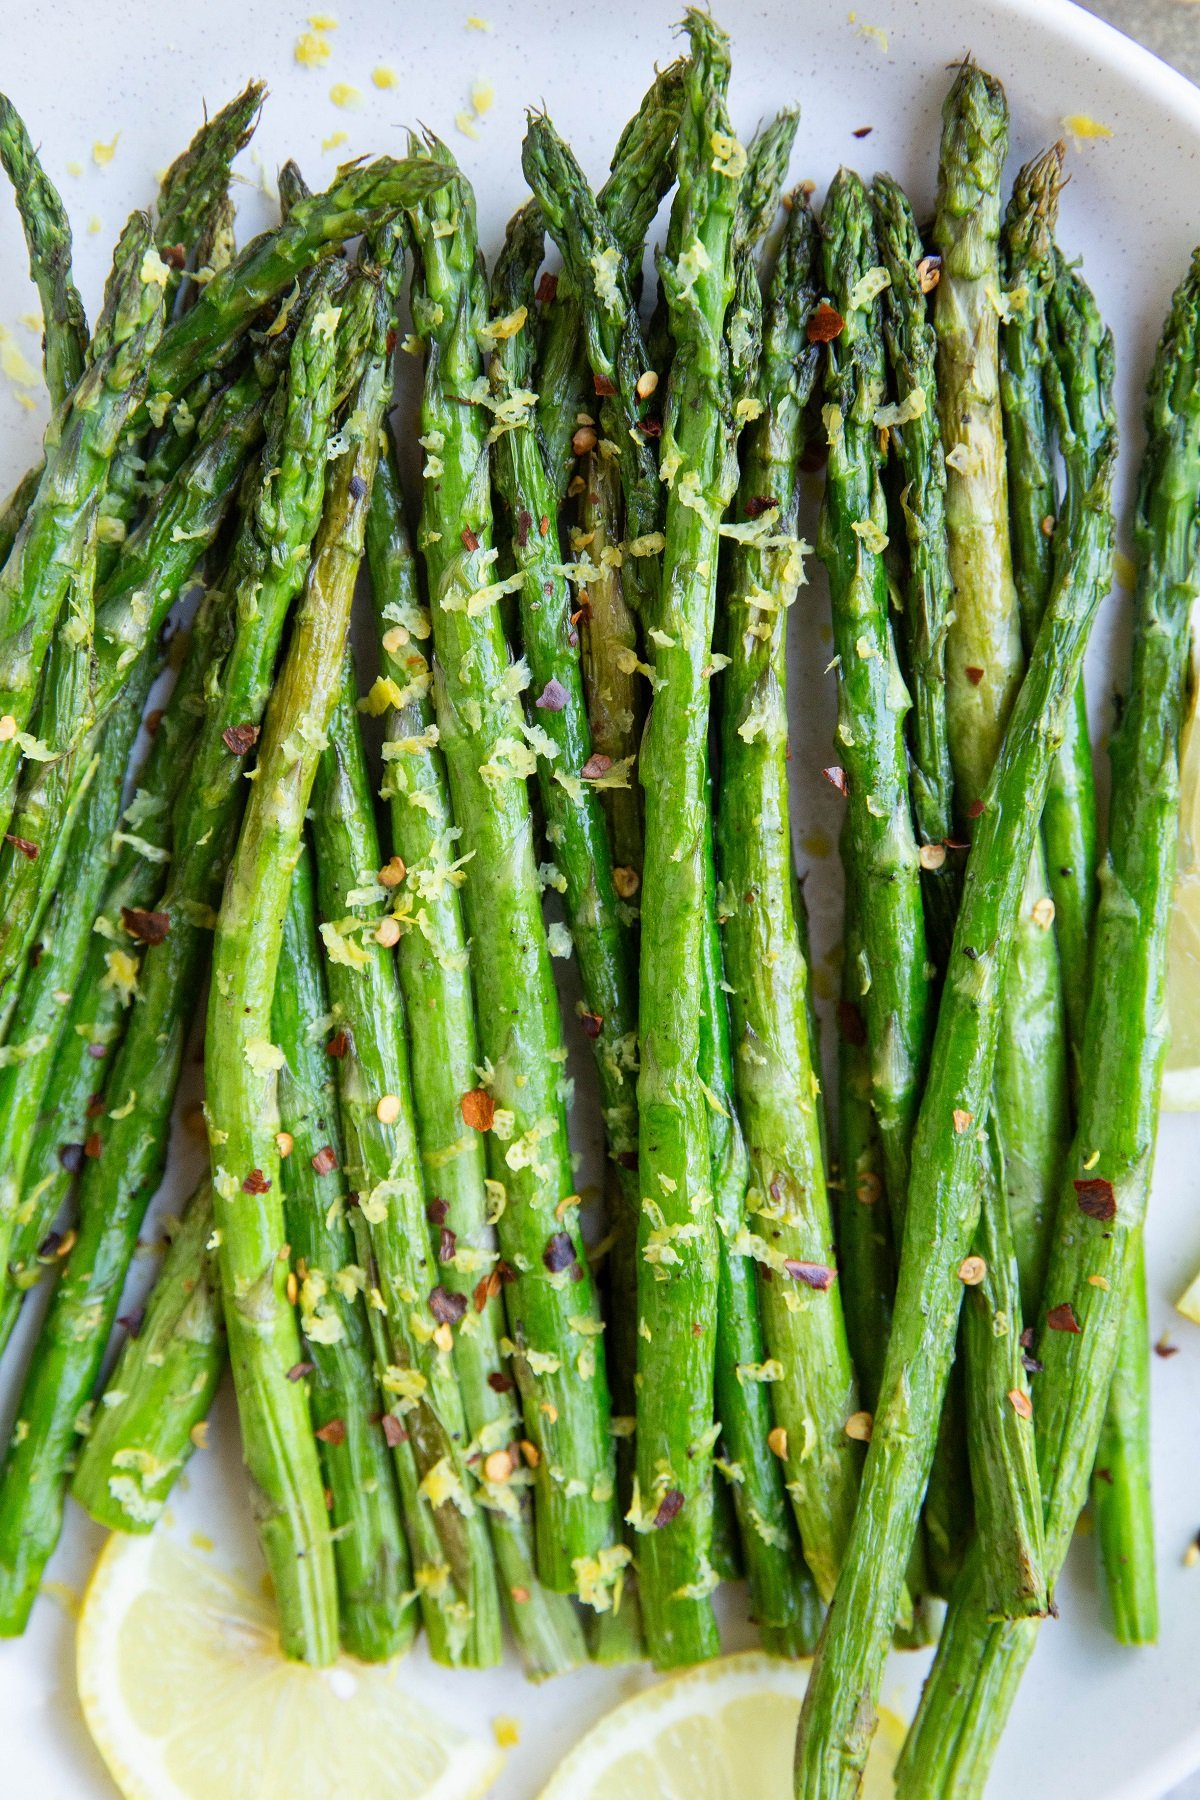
(41,1015)
(240,1060)
(12,514)
(384,1167)
(551,1303)
(837,1717)
(80,444)
(984,654)
(776,1082)
(678,1247)
(641,171)
(48,237)
(597,267)
(872,697)
(1121,1498)
(432,957)
(152,1412)
(192,192)
(1101,1207)
(914,439)
(102,992)
(608,656)
(361,197)
(377,1614)
(570,779)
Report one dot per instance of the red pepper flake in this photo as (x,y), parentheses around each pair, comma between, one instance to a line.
(393,1431)
(486,1288)
(597,764)
(447,1308)
(593,1024)
(824,324)
(299,1370)
(447,1245)
(240,738)
(1021,1404)
(338,1044)
(325,1162)
(153,720)
(1095,1198)
(131,1323)
(850,1023)
(390,340)
(813,1275)
(1165,1348)
(174,255)
(71,1157)
(93,1146)
(975,809)
(524,527)
(973,673)
(603,386)
(500,1383)
(758,504)
(1062,1318)
(627,1159)
(547,289)
(929,272)
(835,775)
(478,1109)
(553,697)
(1030,1364)
(650,427)
(334,1432)
(559,1253)
(470,541)
(256,1183)
(438,1210)
(862,131)
(669,1507)
(962,1119)
(147,927)
(95,1106)
(23,845)
(544,525)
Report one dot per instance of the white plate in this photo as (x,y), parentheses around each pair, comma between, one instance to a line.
(1092,1719)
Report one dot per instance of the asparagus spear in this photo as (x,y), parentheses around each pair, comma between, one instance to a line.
(983,653)
(838,1714)
(102,993)
(80,441)
(12,514)
(677,1235)
(914,438)
(153,1408)
(570,778)
(608,657)
(872,697)
(1121,1496)
(775,1079)
(1101,1206)
(551,1303)
(434,972)
(48,237)
(41,1014)
(641,171)
(377,1615)
(384,1166)
(192,192)
(361,197)
(240,1059)
(598,270)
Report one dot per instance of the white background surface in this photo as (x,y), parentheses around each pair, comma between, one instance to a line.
(1092,1719)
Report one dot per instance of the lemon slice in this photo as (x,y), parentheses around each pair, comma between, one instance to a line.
(719,1732)
(1181,1078)
(188,1698)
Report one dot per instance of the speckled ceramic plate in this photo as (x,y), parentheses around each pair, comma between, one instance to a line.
(131,75)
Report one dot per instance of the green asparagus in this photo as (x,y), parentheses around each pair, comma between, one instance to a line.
(48,237)
(434,971)
(376,1601)
(551,1304)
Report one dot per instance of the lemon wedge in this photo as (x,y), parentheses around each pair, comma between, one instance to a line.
(1181,1078)
(719,1732)
(187,1697)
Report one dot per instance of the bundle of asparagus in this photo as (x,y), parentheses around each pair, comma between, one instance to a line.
(466,1395)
